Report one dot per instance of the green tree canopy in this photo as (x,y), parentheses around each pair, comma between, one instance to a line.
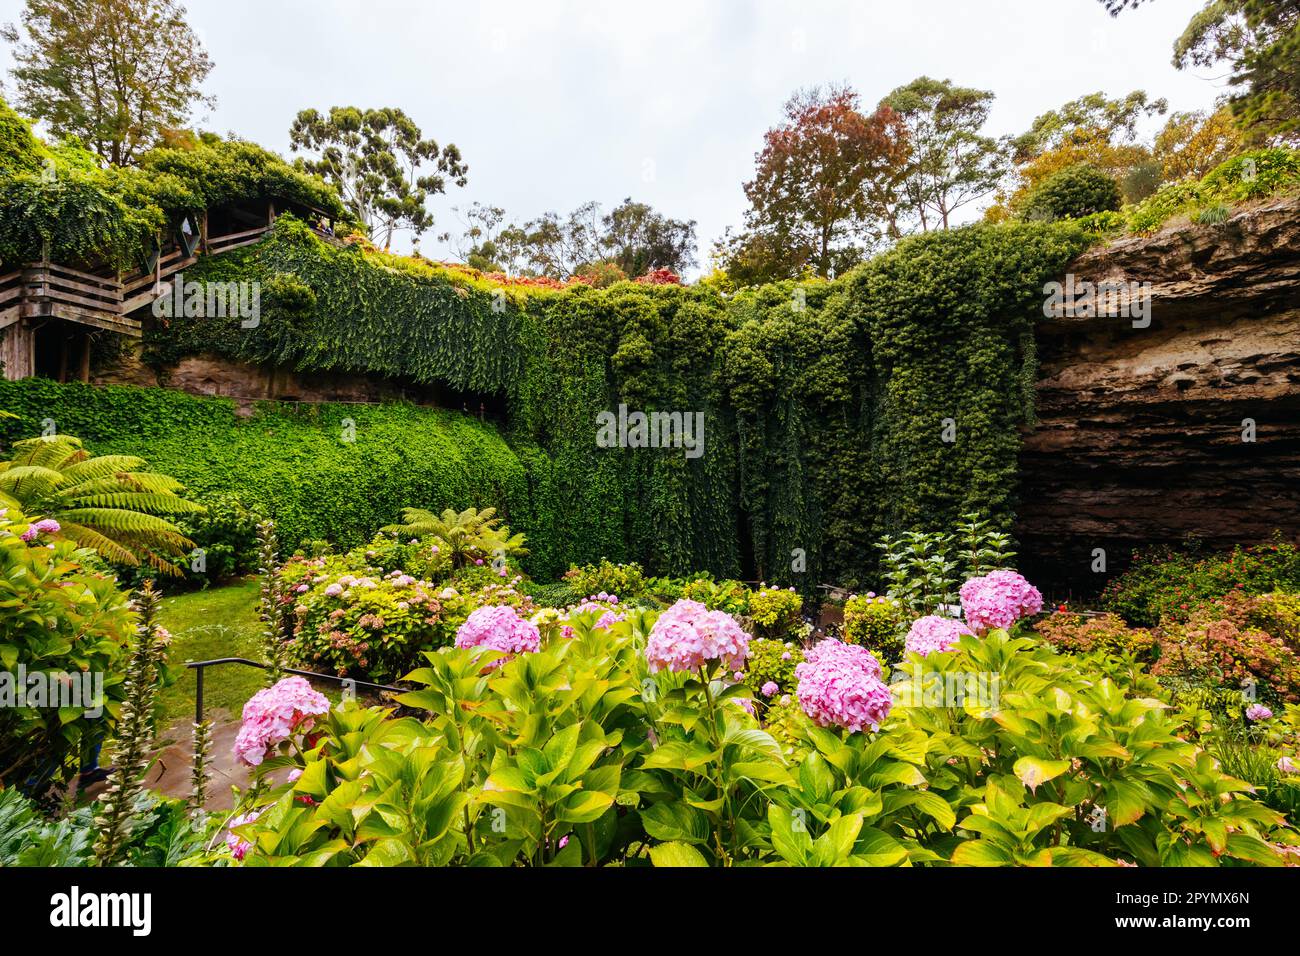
(1260,41)
(375,158)
(952,162)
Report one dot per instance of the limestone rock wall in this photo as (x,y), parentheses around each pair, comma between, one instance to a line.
(1140,439)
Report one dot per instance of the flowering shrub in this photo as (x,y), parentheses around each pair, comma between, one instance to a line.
(1216,645)
(627,580)
(998,600)
(275,715)
(772,663)
(1164,584)
(583,756)
(236,844)
(1277,614)
(498,629)
(661,276)
(363,624)
(931,634)
(839,684)
(775,612)
(1107,634)
(56,616)
(418,557)
(603,609)
(688,637)
(729,596)
(875,622)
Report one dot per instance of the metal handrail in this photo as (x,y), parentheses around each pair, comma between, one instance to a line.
(199,666)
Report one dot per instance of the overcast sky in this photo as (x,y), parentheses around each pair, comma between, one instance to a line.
(555,103)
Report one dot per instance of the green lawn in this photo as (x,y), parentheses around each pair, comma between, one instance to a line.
(218,622)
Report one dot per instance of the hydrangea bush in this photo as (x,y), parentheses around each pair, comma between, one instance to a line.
(998,600)
(638,743)
(839,685)
(933,634)
(876,622)
(775,612)
(56,615)
(275,715)
(690,637)
(772,663)
(498,629)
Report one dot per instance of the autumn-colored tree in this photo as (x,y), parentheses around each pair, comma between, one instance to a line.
(822,187)
(1191,144)
(1094,131)
(115,74)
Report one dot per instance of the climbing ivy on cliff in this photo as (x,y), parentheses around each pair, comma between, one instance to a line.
(950,320)
(887,400)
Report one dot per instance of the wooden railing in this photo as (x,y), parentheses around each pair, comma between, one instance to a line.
(50,290)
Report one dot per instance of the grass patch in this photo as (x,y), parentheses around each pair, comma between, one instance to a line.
(217,622)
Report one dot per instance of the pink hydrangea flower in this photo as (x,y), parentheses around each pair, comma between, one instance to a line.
(1258,712)
(275,714)
(933,633)
(239,847)
(689,636)
(839,685)
(334,590)
(600,603)
(498,629)
(770,688)
(998,600)
(1287,765)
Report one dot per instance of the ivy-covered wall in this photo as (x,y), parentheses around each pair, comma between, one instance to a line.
(319,478)
(833,412)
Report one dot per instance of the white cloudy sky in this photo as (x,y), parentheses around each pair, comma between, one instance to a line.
(554,102)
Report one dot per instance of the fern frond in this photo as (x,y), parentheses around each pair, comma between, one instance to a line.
(26,480)
(153,504)
(117,520)
(103,466)
(138,481)
(104,546)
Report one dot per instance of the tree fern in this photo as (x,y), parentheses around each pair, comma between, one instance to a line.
(463,536)
(105,503)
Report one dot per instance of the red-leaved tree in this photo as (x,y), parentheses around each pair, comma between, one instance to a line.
(823,183)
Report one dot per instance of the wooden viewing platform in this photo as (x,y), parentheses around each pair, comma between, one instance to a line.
(47,300)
